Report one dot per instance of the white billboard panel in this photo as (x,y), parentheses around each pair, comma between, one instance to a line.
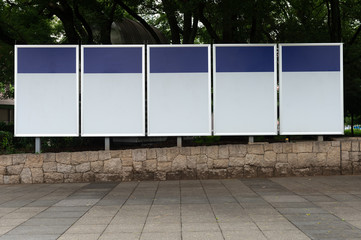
(311,89)
(179,90)
(113,90)
(46,90)
(245,89)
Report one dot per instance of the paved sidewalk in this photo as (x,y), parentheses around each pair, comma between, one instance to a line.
(256,209)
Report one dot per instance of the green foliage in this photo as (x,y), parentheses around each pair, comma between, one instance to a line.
(205,140)
(357,132)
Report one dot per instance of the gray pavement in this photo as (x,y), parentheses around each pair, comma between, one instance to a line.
(276,208)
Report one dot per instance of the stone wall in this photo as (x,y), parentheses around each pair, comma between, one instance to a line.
(226,161)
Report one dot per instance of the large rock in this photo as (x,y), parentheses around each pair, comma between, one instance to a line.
(104,155)
(113,165)
(79,157)
(302,147)
(195,150)
(212,152)
(15,169)
(346,146)
(73,178)
(63,158)
(102,177)
(50,166)
(334,157)
(151,153)
(64,168)
(34,161)
(239,150)
(6,160)
(19,159)
(255,149)
(83,167)
(269,160)
(53,177)
(164,166)
(223,152)
(25,176)
(97,166)
(93,156)
(38,175)
(150,165)
(253,159)
(305,159)
(49,157)
(11,179)
(192,162)
(179,163)
(220,163)
(140,155)
(237,161)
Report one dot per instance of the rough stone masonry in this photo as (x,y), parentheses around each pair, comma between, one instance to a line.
(341,156)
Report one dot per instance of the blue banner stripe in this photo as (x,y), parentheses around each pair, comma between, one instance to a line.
(310,58)
(178,59)
(245,59)
(113,60)
(47,60)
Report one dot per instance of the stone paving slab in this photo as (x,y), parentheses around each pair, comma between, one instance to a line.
(297,208)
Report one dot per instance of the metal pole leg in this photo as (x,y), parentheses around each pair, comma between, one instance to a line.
(251,139)
(179,141)
(37,145)
(320,138)
(107,144)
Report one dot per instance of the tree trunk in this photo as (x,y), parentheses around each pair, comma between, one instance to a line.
(172,20)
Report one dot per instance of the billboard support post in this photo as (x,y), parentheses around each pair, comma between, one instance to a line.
(107,144)
(37,145)
(179,141)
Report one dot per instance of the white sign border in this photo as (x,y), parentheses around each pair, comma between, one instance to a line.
(15,89)
(341,88)
(143,90)
(210,130)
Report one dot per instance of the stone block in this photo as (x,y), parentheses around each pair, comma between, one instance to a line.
(333,157)
(223,152)
(321,159)
(316,171)
(2,170)
(19,159)
(104,155)
(63,157)
(217,173)
(97,166)
(114,154)
(113,166)
(83,167)
(212,152)
(220,163)
(335,144)
(160,176)
(185,151)
(277,147)
(253,159)
(255,149)
(37,174)
(235,172)
(265,172)
(6,160)
(346,146)
(269,160)
(210,163)
(126,153)
(202,159)
(287,148)
(267,147)
(250,171)
(34,160)
(195,150)
(139,155)
(164,166)
(14,169)
(64,168)
(25,176)
(345,156)
(346,168)
(49,166)
(150,165)
(301,172)
(11,179)
(239,150)
(302,147)
(355,146)
(1,179)
(73,178)
(143,176)
(127,174)
(282,158)
(321,147)
(138,166)
(305,159)
(151,153)
(88,177)
(354,156)
(172,153)
(202,167)
(179,163)
(53,177)
(192,162)
(103,177)
(292,159)
(162,155)
(93,156)
(127,161)
(282,169)
(202,174)
(79,157)
(49,157)
(237,161)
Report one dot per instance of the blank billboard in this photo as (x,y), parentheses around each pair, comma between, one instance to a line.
(245,89)
(113,91)
(46,90)
(311,89)
(179,90)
